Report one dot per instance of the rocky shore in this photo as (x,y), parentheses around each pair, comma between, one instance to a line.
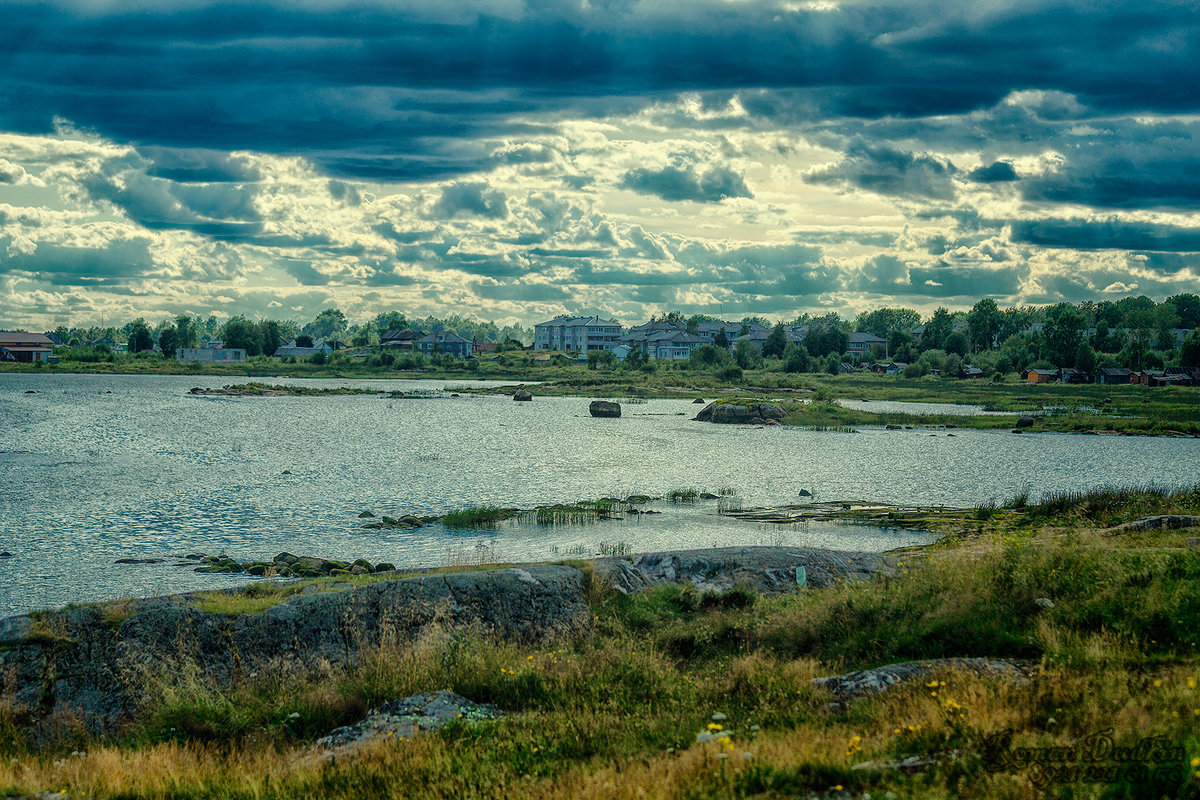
(92,662)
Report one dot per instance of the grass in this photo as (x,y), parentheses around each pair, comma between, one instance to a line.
(616,711)
(683,495)
(478,517)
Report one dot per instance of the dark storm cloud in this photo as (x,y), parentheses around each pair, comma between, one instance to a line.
(882,169)
(333,81)
(996,172)
(947,281)
(1107,234)
(687,183)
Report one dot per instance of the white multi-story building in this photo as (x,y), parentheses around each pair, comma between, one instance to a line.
(581,334)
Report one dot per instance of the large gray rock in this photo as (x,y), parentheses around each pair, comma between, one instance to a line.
(880,679)
(731,415)
(94,662)
(764,569)
(522,395)
(418,713)
(1164,522)
(604,408)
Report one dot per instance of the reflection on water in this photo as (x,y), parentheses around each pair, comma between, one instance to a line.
(96,467)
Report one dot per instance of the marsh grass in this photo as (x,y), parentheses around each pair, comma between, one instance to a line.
(685,495)
(478,517)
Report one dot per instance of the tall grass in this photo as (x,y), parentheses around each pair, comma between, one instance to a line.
(478,517)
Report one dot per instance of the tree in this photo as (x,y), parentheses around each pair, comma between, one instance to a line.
(707,356)
(272,336)
(1187,308)
(937,330)
(1086,358)
(636,358)
(776,342)
(1063,333)
(600,358)
(187,331)
(983,321)
(747,355)
(241,333)
(796,359)
(304,340)
(956,343)
(329,322)
(721,340)
(1189,351)
(140,339)
(168,341)
(884,322)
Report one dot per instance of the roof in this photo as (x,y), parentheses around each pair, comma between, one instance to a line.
(676,337)
(444,337)
(13,348)
(33,339)
(579,322)
(401,336)
(1115,371)
(864,337)
(1044,371)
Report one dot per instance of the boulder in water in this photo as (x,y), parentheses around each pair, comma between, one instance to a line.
(604,408)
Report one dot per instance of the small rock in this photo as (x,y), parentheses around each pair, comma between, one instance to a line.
(805,493)
(139,561)
(1025,422)
(286,472)
(1193,543)
(366,515)
(698,400)
(1044,602)
(6,554)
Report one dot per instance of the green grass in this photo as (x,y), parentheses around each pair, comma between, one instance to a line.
(478,517)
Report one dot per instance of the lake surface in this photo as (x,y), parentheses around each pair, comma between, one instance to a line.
(912,407)
(99,467)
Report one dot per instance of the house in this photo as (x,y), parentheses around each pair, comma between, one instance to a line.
(1113,375)
(485,347)
(1145,377)
(1068,375)
(1041,375)
(581,334)
(862,342)
(621,352)
(446,342)
(31,348)
(673,346)
(969,372)
(295,351)
(211,355)
(400,339)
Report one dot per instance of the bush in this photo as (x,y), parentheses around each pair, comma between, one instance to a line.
(708,356)
(731,374)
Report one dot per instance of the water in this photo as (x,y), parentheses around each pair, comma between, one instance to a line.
(87,477)
(910,407)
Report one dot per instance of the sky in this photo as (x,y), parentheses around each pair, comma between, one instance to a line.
(512,160)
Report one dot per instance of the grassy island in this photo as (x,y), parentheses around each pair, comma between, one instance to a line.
(677,692)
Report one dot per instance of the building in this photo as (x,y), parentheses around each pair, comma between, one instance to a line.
(673,345)
(1068,375)
(861,342)
(401,339)
(211,355)
(31,348)
(1112,376)
(969,372)
(1041,375)
(446,342)
(294,350)
(581,334)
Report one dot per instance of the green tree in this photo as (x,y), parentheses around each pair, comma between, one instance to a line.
(1086,358)
(776,342)
(1187,308)
(168,341)
(272,336)
(708,356)
(884,322)
(983,321)
(1063,334)
(1189,351)
(721,340)
(140,339)
(187,331)
(636,358)
(600,358)
(956,343)
(241,333)
(796,359)
(304,340)
(327,324)
(747,355)
(937,330)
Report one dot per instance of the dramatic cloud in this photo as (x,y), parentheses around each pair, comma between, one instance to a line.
(512,159)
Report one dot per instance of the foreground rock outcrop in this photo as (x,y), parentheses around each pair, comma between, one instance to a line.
(406,717)
(880,679)
(97,663)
